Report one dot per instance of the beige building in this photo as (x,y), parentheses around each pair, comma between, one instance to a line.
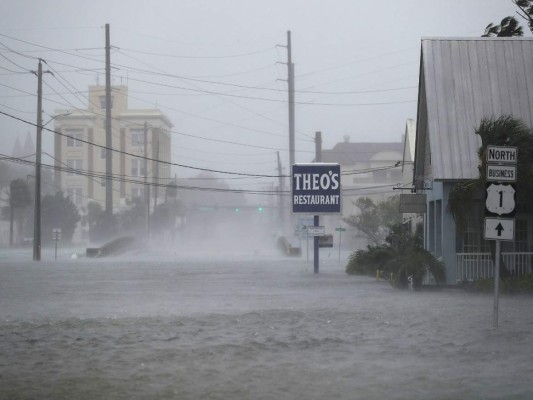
(83,163)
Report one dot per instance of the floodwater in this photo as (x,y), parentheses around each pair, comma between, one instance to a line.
(163,326)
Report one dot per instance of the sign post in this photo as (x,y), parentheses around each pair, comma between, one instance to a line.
(316,190)
(500,202)
(57,237)
(340,229)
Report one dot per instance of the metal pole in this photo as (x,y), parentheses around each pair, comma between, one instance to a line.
(307,240)
(56,239)
(340,235)
(496,284)
(315,250)
(37,208)
(316,219)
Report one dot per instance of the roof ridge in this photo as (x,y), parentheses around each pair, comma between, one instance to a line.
(476,38)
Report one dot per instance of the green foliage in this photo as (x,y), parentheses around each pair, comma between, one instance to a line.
(58,211)
(20,193)
(503,131)
(509,285)
(101,226)
(526,11)
(401,257)
(366,262)
(509,27)
(375,219)
(133,219)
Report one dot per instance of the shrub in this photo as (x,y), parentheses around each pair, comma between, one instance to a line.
(509,285)
(366,262)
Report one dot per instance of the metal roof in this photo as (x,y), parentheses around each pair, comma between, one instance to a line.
(462,81)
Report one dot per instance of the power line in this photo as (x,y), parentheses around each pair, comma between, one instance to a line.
(198,188)
(138,156)
(198,57)
(256,87)
(120,178)
(210,92)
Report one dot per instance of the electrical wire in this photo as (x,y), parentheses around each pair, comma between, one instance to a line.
(138,156)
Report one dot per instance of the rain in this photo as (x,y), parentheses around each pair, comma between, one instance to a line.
(173,252)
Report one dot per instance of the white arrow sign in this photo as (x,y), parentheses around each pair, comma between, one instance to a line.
(500,198)
(499,229)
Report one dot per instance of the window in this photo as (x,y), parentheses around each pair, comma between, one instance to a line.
(137,192)
(473,241)
(521,241)
(137,137)
(75,195)
(74,164)
(137,167)
(72,136)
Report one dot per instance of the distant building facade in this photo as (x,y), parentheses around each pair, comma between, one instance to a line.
(81,165)
(367,170)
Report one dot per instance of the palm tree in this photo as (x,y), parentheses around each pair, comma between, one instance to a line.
(466,198)
(402,257)
(526,11)
(504,131)
(19,196)
(509,27)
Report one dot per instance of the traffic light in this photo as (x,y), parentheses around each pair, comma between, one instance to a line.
(260,209)
(237,209)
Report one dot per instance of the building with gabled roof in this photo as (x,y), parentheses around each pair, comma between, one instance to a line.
(462,81)
(368,169)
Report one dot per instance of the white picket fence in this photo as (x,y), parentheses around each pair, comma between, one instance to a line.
(474,266)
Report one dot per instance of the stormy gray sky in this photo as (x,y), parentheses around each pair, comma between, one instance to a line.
(215,68)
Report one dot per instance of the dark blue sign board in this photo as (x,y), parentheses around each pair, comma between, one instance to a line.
(316,188)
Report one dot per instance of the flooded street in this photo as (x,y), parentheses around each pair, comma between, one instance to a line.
(159,326)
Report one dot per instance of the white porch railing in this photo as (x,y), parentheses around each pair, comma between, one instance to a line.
(474,266)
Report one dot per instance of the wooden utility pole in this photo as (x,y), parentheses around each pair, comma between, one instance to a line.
(108,127)
(280,194)
(37,207)
(290,68)
(155,141)
(146,185)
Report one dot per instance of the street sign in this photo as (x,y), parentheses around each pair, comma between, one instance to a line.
(502,154)
(316,188)
(340,229)
(411,203)
(501,173)
(316,230)
(57,233)
(499,229)
(500,199)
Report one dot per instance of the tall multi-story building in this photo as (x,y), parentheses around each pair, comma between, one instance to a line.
(85,159)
